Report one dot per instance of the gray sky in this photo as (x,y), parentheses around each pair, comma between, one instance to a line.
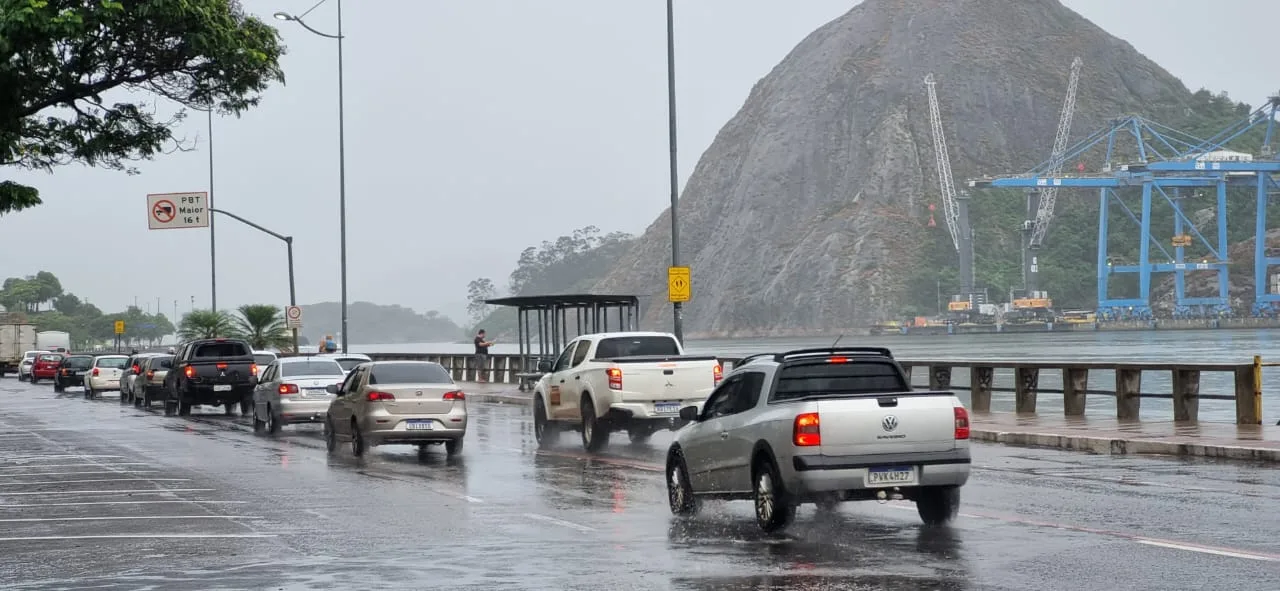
(474,129)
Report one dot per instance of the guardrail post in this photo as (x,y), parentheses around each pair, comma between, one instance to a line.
(1075,388)
(1186,395)
(1025,389)
(980,378)
(1128,390)
(939,377)
(1249,393)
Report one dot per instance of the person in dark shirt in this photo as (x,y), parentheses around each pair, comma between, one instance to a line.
(482,356)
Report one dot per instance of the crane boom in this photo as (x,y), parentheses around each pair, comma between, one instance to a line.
(1049,195)
(950,211)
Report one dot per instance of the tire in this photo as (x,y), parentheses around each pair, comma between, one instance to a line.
(138,401)
(938,505)
(357,440)
(595,434)
(89,394)
(274,425)
(330,437)
(422,452)
(184,406)
(774,510)
(124,399)
(229,409)
(246,406)
(260,426)
(58,388)
(545,431)
(680,495)
(170,408)
(453,447)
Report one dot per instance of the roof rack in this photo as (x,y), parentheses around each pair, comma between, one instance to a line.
(750,358)
(876,351)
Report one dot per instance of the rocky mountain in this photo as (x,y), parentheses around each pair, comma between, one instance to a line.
(806,214)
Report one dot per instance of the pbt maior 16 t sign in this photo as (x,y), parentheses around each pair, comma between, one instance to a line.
(169,211)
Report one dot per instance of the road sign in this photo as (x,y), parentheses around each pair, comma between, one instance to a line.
(679,286)
(293,316)
(168,211)
(119,327)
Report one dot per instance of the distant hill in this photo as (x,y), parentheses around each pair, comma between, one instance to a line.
(371,323)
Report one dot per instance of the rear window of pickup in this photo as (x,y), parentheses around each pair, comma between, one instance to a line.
(859,377)
(636,346)
(227,349)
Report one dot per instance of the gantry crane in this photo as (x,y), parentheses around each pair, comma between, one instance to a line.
(1040,206)
(955,212)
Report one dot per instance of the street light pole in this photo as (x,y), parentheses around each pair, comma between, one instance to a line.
(213,255)
(677,307)
(342,155)
(288,242)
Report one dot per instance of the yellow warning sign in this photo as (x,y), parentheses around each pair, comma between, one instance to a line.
(119,327)
(679,287)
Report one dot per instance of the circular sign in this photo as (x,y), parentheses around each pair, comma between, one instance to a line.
(294,313)
(164,211)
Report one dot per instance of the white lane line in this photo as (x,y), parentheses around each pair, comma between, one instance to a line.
(86,503)
(46,482)
(57,456)
(148,491)
(91,465)
(460,496)
(136,537)
(1207,550)
(139,517)
(81,473)
(560,522)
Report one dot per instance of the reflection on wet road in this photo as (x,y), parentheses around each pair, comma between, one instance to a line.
(94,494)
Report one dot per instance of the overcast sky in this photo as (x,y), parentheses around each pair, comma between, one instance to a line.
(474,129)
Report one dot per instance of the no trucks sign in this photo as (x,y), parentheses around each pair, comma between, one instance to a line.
(170,211)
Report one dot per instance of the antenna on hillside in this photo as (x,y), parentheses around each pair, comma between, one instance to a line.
(833,345)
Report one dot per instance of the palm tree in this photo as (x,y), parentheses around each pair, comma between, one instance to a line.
(264,327)
(205,324)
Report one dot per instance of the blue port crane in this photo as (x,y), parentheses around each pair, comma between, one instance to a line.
(1167,162)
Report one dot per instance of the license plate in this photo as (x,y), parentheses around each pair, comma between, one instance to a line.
(419,425)
(315,392)
(666,408)
(222,388)
(891,476)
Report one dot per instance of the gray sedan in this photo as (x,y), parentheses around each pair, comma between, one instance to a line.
(294,390)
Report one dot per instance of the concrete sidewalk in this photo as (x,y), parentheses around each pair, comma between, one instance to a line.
(1101,435)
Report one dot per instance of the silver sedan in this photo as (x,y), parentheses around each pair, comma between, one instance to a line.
(294,390)
(397,402)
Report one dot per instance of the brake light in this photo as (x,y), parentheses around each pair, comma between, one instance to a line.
(136,369)
(455,395)
(65,372)
(221,366)
(95,372)
(253,369)
(151,374)
(190,371)
(806,432)
(378,396)
(615,378)
(838,360)
(286,389)
(718,374)
(962,423)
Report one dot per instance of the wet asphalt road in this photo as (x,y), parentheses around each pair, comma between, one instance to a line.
(96,495)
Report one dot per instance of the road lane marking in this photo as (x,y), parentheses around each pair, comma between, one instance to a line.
(83,473)
(93,465)
(58,456)
(149,491)
(45,482)
(138,517)
(135,537)
(1210,550)
(85,503)
(560,522)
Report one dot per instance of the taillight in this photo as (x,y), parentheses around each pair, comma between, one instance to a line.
(190,371)
(286,389)
(718,373)
(253,369)
(136,369)
(221,366)
(95,372)
(838,360)
(806,432)
(65,372)
(455,395)
(615,378)
(379,396)
(962,423)
(151,374)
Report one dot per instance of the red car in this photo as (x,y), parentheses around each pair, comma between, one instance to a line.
(46,366)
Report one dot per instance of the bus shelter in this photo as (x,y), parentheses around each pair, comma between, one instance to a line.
(547,323)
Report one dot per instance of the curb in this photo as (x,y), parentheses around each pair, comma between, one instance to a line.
(1095,445)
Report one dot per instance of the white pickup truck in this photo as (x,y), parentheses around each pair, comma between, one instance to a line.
(622,381)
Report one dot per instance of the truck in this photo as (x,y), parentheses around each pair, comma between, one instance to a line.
(211,372)
(16,338)
(621,381)
(56,341)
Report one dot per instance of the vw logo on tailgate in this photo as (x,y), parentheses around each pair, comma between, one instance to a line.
(889,422)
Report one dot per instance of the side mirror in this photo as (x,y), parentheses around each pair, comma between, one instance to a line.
(689,413)
(331,388)
(545,366)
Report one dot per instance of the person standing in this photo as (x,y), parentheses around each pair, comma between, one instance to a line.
(482,356)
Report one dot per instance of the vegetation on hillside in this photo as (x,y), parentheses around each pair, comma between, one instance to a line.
(371,323)
(58,58)
(570,264)
(41,299)
(1068,260)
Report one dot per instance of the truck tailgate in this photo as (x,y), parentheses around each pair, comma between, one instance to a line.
(860,425)
(663,380)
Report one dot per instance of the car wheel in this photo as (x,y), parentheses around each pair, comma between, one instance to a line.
(184,407)
(679,490)
(774,510)
(938,505)
(229,409)
(453,447)
(246,406)
(125,398)
(357,440)
(273,421)
(422,451)
(544,431)
(595,434)
(330,438)
(259,425)
(170,408)
(89,394)
(57,388)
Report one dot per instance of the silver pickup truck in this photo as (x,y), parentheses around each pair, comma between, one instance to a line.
(820,426)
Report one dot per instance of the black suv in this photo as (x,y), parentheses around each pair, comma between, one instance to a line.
(72,371)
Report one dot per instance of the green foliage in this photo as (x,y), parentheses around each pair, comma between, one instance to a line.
(1068,260)
(59,57)
(263,325)
(377,324)
(86,324)
(206,324)
(478,291)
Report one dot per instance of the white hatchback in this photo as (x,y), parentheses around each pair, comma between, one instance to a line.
(105,375)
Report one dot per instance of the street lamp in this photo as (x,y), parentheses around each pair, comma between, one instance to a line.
(677,307)
(342,155)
